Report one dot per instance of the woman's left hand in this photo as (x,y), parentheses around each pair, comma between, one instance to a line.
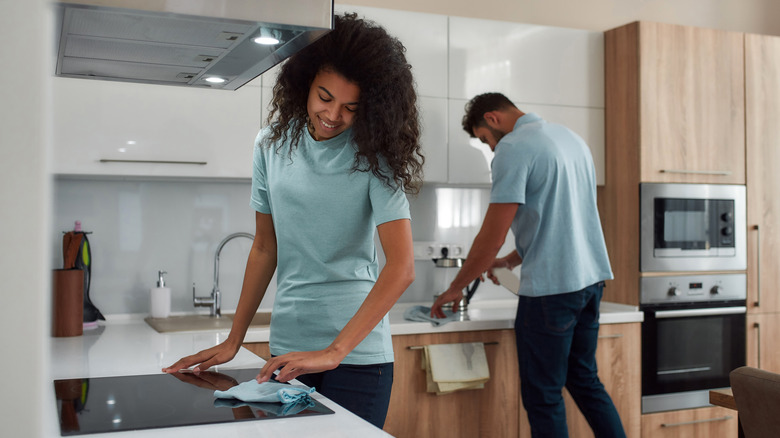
(292,365)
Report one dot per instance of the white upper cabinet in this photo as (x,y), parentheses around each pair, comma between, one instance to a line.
(125,129)
(527,63)
(425,39)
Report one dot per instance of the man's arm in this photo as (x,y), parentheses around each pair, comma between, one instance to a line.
(483,253)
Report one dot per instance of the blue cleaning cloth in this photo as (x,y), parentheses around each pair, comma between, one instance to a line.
(270,409)
(423,314)
(267,392)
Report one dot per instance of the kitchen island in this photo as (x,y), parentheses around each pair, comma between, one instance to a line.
(123,347)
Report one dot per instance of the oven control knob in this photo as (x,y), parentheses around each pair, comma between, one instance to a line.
(727,231)
(727,216)
(674,292)
(716,290)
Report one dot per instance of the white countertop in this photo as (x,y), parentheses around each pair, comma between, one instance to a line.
(125,346)
(483,315)
(131,347)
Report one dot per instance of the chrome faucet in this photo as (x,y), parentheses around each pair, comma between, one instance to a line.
(214,301)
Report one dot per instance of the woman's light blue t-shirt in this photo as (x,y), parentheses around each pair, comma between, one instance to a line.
(548,170)
(325,216)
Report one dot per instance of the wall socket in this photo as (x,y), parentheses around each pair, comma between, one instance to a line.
(432,250)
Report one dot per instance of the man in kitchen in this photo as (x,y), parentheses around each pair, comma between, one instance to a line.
(544,190)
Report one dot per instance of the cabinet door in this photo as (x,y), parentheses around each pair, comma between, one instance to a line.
(468,158)
(526,62)
(116,128)
(713,422)
(617,354)
(425,38)
(762,106)
(763,331)
(619,370)
(691,104)
(489,412)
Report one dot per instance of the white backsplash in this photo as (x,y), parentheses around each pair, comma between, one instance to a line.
(139,227)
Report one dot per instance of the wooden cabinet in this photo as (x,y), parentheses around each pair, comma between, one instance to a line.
(675,96)
(489,412)
(763,331)
(617,356)
(712,422)
(762,104)
(674,113)
(496,411)
(124,129)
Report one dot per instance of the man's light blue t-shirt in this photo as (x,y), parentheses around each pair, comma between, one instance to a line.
(325,216)
(548,170)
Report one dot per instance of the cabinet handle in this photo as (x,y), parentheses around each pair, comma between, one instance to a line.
(617,335)
(686,423)
(420,347)
(757,326)
(199,163)
(758,266)
(698,172)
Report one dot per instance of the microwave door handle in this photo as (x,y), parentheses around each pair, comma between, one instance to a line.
(665,314)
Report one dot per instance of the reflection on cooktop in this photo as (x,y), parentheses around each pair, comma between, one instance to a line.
(111,404)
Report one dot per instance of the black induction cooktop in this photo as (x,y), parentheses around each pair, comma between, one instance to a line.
(112,404)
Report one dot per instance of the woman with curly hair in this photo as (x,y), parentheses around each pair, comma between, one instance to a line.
(335,163)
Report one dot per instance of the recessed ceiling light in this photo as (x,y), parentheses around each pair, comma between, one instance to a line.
(266,40)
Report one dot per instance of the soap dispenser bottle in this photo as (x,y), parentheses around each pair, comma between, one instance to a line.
(160,298)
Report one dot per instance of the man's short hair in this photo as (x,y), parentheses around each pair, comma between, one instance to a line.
(479,105)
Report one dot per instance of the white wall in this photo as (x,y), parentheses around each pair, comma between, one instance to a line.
(24,209)
(753,16)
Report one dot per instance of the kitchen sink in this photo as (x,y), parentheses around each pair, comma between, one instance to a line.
(197,323)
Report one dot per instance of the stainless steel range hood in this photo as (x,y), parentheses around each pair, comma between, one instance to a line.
(184,42)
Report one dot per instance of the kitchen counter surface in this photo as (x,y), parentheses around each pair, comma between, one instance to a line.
(483,315)
(131,347)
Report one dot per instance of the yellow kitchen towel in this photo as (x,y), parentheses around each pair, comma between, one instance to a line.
(455,367)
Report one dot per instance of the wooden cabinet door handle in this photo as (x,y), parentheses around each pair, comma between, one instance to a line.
(686,423)
(698,172)
(758,265)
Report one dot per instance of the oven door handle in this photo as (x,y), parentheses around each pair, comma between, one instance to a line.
(700,312)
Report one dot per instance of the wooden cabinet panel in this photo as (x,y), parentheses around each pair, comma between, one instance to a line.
(489,412)
(705,422)
(762,103)
(692,113)
(763,331)
(261,349)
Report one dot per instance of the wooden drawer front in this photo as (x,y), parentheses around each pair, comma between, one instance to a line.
(712,422)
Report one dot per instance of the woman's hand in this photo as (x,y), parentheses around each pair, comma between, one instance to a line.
(292,365)
(205,359)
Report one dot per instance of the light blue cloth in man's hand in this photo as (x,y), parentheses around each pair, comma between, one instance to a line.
(268,392)
(423,314)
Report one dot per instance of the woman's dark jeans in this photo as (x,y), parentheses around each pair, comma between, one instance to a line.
(363,390)
(556,347)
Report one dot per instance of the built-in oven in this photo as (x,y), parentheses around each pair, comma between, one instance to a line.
(692,227)
(693,335)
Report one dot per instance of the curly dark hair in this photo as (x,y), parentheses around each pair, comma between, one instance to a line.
(479,105)
(386,125)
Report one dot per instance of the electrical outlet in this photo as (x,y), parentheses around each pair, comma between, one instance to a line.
(432,250)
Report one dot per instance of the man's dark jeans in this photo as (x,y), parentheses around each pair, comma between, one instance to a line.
(556,346)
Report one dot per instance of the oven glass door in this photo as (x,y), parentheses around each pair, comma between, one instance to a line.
(691,348)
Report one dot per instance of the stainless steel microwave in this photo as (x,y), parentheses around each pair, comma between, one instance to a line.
(692,227)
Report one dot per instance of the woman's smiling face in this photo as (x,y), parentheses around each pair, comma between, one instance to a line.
(333,101)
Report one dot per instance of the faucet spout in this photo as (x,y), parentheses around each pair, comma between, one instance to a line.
(214,301)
